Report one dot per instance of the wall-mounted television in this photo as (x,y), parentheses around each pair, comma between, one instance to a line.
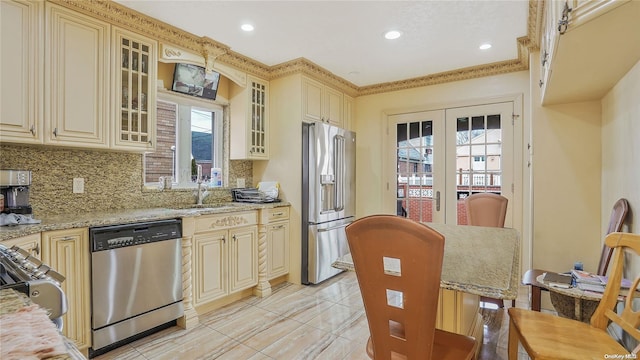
(194,80)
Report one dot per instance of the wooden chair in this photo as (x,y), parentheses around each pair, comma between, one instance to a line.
(546,336)
(398,263)
(618,216)
(487,209)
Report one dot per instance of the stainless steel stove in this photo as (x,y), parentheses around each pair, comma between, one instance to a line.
(24,273)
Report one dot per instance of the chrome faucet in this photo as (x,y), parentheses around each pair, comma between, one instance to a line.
(201,193)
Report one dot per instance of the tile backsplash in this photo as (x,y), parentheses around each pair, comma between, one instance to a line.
(112,180)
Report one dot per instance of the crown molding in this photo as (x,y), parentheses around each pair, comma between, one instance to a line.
(306,67)
(214,51)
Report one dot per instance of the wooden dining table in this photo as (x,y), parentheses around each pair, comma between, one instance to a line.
(478,260)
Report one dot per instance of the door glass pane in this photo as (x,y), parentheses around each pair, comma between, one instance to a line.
(414,149)
(478,158)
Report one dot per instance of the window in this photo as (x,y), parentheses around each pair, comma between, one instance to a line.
(187,136)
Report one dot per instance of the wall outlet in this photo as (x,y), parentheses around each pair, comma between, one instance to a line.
(78,185)
(240,182)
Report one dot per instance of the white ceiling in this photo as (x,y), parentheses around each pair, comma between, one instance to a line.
(346,37)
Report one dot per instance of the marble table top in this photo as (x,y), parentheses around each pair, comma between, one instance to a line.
(477,260)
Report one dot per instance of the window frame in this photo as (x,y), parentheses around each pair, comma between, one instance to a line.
(183,105)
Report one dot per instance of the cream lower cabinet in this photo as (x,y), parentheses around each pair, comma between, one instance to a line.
(225,255)
(277,242)
(29,243)
(67,251)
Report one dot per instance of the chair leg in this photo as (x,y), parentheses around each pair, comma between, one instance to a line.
(512,345)
(536,295)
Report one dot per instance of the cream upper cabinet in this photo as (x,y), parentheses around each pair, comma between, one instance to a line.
(21,72)
(134,64)
(250,120)
(77,75)
(321,103)
(347,120)
(572,70)
(67,251)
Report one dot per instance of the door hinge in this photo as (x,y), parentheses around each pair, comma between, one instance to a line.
(513,118)
(513,188)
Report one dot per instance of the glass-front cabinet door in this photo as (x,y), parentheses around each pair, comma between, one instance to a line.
(258,133)
(135,59)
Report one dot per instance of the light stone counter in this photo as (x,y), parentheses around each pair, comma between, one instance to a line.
(478,260)
(70,221)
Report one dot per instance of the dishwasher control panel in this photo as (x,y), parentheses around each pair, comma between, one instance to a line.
(118,236)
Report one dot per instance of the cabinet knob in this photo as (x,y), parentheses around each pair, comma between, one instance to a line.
(33,130)
(55,132)
(541,83)
(36,250)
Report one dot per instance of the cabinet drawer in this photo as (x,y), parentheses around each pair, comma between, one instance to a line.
(279,213)
(226,221)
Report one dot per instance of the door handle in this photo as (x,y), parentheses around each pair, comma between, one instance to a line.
(332,228)
(437,199)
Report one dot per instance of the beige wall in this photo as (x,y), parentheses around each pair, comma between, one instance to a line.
(621,151)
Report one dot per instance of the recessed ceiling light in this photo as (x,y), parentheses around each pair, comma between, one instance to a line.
(247,27)
(392,35)
(485,46)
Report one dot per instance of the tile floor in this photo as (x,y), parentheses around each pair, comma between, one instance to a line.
(326,321)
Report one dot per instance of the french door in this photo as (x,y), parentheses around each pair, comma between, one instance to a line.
(440,157)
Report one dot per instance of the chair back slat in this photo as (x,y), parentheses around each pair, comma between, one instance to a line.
(628,319)
(400,303)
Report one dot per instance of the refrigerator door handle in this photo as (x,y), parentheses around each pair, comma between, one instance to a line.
(338,156)
(332,228)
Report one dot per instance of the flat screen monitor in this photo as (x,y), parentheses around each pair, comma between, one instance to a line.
(194,80)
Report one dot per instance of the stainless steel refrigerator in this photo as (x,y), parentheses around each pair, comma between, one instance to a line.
(328,197)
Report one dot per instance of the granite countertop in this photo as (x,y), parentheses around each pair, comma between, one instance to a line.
(478,260)
(70,221)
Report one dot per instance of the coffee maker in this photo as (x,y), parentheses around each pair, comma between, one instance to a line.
(14,187)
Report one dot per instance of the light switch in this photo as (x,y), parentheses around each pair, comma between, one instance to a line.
(78,185)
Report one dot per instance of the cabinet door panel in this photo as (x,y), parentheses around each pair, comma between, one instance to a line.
(67,251)
(134,91)
(333,106)
(29,243)
(244,258)
(278,249)
(210,266)
(20,71)
(311,100)
(77,50)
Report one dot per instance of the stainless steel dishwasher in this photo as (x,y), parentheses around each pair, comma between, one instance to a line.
(136,281)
